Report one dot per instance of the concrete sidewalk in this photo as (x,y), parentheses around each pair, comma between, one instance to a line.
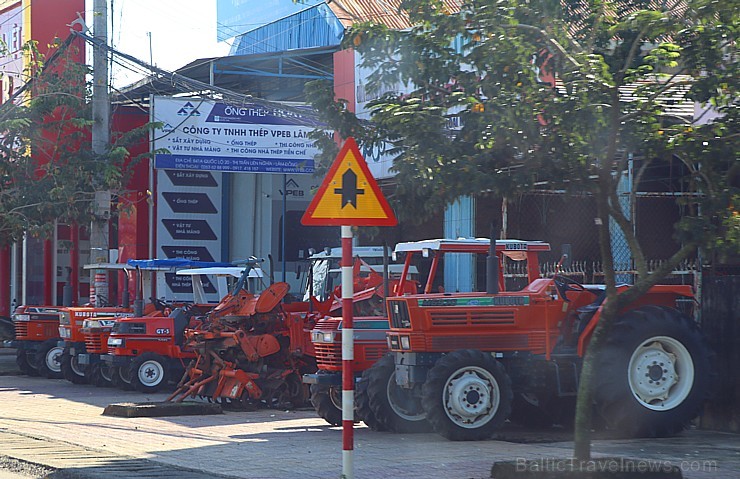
(284,444)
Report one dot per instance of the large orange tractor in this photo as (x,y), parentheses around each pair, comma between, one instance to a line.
(460,362)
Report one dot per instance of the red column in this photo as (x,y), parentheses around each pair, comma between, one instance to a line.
(5,281)
(74,262)
(48,271)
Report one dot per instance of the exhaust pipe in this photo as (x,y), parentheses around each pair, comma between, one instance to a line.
(492,263)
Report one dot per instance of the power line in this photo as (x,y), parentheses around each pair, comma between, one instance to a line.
(190,85)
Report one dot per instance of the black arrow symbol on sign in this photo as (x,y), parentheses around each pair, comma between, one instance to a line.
(349,190)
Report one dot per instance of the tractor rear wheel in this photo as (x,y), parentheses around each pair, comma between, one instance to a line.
(395,408)
(467,395)
(653,373)
(100,375)
(362,407)
(327,400)
(121,377)
(149,373)
(22,361)
(72,370)
(48,358)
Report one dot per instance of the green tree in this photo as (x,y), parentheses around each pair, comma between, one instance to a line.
(538,89)
(48,172)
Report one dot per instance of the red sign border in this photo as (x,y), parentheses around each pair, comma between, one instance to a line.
(308,220)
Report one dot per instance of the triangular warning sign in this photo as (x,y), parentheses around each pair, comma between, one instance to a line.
(349,195)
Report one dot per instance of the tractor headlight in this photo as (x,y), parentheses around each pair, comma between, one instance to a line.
(322,337)
(21,317)
(91,323)
(405,343)
(64,333)
(116,342)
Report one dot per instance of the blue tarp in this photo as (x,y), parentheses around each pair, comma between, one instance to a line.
(173,263)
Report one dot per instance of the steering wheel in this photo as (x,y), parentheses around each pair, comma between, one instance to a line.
(565,284)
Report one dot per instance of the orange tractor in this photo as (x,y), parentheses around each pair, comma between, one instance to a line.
(370,325)
(460,362)
(145,351)
(36,340)
(39,345)
(89,327)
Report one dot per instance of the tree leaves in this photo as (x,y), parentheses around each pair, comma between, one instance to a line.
(48,172)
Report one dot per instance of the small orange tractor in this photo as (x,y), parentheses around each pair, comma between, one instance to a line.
(76,360)
(36,340)
(146,351)
(91,326)
(462,361)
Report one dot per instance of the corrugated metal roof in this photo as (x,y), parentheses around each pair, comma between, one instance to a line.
(672,100)
(386,12)
(311,28)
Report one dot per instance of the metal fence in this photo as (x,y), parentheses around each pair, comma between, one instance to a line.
(567,222)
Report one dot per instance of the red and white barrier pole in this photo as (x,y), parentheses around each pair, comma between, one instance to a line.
(348,356)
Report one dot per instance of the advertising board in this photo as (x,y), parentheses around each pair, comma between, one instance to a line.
(205,135)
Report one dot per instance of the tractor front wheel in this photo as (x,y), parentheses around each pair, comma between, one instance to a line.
(22,361)
(467,395)
(48,358)
(395,408)
(72,370)
(327,400)
(149,373)
(653,373)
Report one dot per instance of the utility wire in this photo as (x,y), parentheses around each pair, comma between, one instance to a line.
(305,117)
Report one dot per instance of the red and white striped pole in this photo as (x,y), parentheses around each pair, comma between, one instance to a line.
(348,356)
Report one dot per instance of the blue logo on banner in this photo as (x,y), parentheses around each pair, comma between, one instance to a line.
(256,114)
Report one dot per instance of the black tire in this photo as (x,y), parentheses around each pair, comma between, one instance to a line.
(72,370)
(100,375)
(327,400)
(362,407)
(121,377)
(457,386)
(48,359)
(653,373)
(150,372)
(396,409)
(24,365)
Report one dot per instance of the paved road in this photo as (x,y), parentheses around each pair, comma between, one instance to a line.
(60,425)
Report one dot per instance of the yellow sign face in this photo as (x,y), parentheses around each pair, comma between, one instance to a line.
(349,195)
